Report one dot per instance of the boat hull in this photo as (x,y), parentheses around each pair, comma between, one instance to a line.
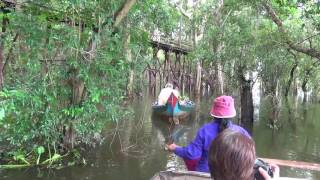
(173,107)
(194,175)
(181,175)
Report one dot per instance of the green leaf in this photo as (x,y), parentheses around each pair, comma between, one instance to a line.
(54,158)
(21,157)
(40,150)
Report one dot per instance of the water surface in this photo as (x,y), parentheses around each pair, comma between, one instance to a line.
(134,148)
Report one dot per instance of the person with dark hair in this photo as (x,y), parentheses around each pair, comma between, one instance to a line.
(232,156)
(195,154)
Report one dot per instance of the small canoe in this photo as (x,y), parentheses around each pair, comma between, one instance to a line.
(173,107)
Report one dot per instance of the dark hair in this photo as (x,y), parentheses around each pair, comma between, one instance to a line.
(232,156)
(224,123)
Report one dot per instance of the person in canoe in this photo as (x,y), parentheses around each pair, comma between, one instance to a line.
(166,92)
(195,154)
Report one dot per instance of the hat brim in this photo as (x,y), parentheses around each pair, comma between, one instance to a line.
(229,116)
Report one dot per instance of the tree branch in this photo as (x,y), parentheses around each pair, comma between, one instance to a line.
(184,12)
(308,38)
(308,51)
(118,17)
(123,11)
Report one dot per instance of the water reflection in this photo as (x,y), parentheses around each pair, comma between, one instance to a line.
(134,148)
(297,138)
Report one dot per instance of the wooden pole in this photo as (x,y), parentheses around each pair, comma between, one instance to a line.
(294,164)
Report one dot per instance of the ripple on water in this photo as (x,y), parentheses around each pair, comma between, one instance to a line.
(292,154)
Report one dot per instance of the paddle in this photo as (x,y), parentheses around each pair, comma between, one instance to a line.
(295,164)
(176,133)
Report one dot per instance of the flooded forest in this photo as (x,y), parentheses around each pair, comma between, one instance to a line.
(79,80)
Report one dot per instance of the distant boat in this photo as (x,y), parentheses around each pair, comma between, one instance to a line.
(173,108)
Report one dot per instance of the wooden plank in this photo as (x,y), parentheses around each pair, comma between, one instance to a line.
(294,164)
(170,47)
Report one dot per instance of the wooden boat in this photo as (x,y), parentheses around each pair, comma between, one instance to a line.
(181,175)
(173,107)
(194,175)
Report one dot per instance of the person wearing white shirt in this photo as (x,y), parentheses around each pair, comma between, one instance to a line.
(166,92)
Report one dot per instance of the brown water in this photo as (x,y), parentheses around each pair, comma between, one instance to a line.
(133,149)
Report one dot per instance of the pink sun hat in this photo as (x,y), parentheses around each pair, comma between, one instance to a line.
(223,107)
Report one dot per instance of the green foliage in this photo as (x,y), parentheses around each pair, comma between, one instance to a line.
(2,114)
(242,36)
(20,157)
(48,60)
(54,83)
(152,14)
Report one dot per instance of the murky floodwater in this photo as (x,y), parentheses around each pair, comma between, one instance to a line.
(133,149)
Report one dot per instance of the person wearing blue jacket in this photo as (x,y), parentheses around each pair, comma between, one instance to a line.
(195,154)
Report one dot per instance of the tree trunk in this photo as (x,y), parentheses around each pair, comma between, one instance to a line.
(218,46)
(183,72)
(1,63)
(78,94)
(128,55)
(219,79)
(69,136)
(10,54)
(275,111)
(295,88)
(271,92)
(246,105)
(130,84)
(305,82)
(198,80)
(246,119)
(304,89)
(5,22)
(286,93)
